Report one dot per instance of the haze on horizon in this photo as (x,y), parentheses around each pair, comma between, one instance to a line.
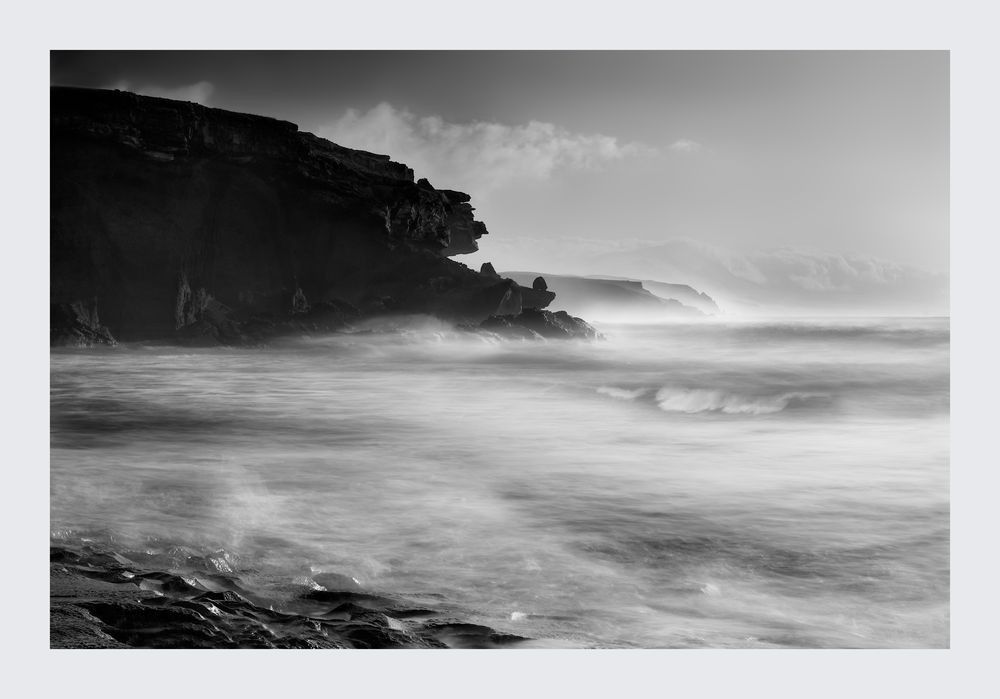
(788,176)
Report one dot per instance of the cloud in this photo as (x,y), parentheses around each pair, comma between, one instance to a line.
(199,92)
(685,145)
(478,156)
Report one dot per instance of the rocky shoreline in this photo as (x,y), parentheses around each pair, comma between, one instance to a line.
(100,598)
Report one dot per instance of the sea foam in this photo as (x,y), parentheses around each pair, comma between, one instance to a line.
(621,393)
(684,400)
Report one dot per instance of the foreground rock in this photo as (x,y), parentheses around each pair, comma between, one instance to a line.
(106,599)
(534,324)
(182,223)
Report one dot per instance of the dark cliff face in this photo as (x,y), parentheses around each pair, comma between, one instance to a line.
(168,216)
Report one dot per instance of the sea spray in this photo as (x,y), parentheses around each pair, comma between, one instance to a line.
(795,495)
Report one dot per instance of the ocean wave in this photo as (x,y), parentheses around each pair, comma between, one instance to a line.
(674,399)
(696,400)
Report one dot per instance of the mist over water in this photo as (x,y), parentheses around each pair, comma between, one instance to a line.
(703,484)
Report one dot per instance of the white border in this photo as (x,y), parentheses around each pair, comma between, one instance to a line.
(965,28)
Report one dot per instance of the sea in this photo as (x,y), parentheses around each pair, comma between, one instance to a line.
(721,483)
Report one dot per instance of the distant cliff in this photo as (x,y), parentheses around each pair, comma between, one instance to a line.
(623,299)
(683,293)
(170,220)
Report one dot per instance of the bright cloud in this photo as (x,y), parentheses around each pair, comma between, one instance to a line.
(477,156)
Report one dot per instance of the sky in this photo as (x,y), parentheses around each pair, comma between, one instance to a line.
(577,157)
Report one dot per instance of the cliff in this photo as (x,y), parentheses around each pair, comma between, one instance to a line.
(612,299)
(682,293)
(171,220)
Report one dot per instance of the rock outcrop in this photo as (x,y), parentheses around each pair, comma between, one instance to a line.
(533,323)
(535,298)
(78,325)
(101,598)
(196,224)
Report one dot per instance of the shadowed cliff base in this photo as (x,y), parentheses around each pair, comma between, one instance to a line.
(175,222)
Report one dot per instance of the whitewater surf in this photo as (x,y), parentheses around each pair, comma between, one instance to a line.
(696,484)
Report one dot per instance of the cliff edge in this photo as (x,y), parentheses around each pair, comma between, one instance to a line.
(175,221)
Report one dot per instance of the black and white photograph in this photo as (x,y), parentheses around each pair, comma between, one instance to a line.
(444,350)
(599,350)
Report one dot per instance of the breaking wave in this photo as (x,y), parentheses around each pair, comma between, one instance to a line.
(682,400)
(674,399)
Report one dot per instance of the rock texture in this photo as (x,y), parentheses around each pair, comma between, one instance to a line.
(104,599)
(187,223)
(535,298)
(533,324)
(77,324)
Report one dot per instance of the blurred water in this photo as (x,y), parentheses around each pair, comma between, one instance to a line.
(714,484)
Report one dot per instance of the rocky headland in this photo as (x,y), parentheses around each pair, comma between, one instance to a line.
(171,221)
